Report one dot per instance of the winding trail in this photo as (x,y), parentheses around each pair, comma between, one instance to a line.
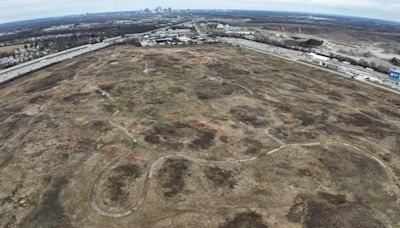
(153,167)
(147,69)
(388,170)
(85,69)
(139,202)
(241,86)
(105,93)
(221,80)
(121,128)
(280,142)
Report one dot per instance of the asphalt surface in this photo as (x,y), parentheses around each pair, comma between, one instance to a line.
(25,68)
(22,69)
(236,41)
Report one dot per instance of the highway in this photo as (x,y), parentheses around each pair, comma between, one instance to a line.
(263,48)
(19,70)
(154,165)
(25,68)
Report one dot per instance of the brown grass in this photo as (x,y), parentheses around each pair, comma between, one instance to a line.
(11,48)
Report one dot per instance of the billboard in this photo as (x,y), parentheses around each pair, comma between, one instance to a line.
(394,75)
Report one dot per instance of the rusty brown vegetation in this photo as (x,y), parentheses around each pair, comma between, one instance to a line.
(55,138)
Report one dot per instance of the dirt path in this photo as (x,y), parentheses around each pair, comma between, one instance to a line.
(154,165)
(121,128)
(139,202)
(241,86)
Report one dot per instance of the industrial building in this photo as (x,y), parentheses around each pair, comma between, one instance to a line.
(174,37)
(318,59)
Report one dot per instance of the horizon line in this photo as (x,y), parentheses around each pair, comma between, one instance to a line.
(210,9)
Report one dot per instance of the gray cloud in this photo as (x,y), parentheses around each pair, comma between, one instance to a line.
(25,9)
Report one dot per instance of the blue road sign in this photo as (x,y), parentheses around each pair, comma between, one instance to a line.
(394,75)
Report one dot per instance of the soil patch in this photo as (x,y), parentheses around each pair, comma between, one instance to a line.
(248,220)
(221,178)
(172,176)
(250,115)
(203,142)
(118,182)
(50,212)
(207,90)
(75,98)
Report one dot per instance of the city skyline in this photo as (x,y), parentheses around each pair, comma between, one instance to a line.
(26,10)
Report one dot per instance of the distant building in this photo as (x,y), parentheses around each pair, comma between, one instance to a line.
(319,59)
(183,39)
(158,9)
(279,35)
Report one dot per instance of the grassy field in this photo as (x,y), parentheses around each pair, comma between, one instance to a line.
(11,48)
(56,138)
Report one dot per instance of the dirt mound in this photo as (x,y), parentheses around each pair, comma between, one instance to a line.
(172,176)
(332,210)
(53,80)
(248,220)
(117,187)
(367,174)
(389,112)
(207,90)
(75,98)
(197,62)
(99,126)
(204,141)
(252,146)
(250,115)
(39,99)
(51,212)
(175,135)
(221,178)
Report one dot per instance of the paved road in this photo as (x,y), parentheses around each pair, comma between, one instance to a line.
(25,68)
(36,64)
(196,26)
(247,45)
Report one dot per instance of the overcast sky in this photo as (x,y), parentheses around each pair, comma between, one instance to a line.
(13,10)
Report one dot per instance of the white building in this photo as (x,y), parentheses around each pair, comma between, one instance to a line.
(319,59)
(183,39)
